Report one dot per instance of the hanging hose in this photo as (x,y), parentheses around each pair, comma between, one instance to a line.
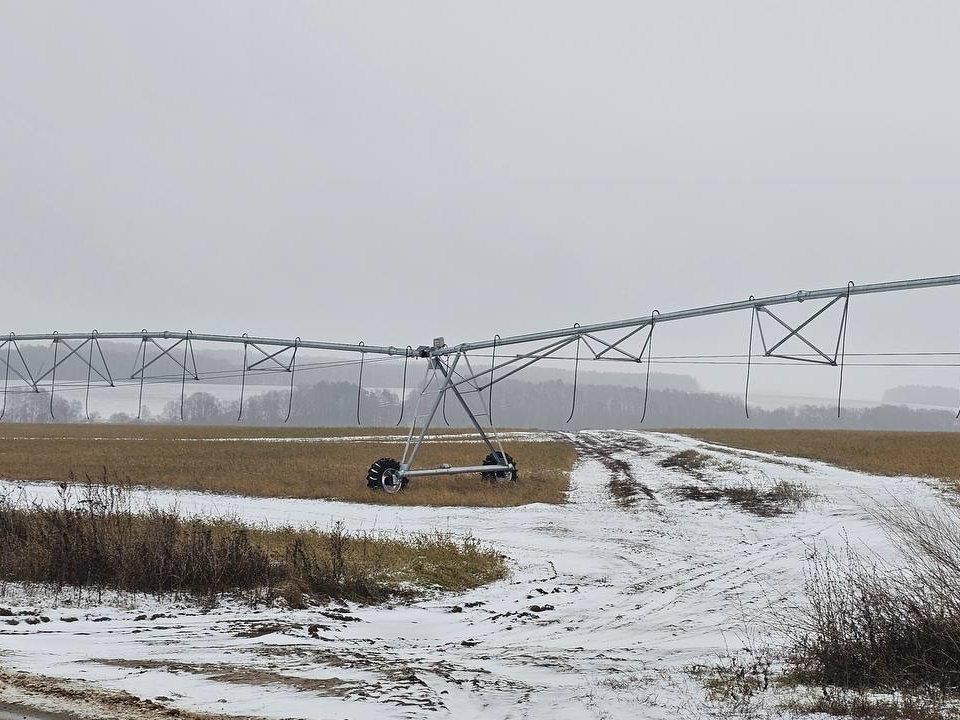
(183,379)
(576,370)
(143,369)
(493,364)
(403,391)
(443,407)
(8,358)
(443,391)
(6,377)
(86,400)
(646,389)
(53,376)
(243,375)
(360,382)
(746,390)
(293,370)
(843,345)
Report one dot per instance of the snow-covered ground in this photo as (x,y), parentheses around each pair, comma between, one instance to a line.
(607,605)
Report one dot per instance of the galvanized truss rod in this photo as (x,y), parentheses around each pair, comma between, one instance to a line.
(795,332)
(820,358)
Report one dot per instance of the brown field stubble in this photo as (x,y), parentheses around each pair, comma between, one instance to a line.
(197,458)
(924,454)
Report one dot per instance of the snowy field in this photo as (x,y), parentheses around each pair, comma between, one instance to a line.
(607,605)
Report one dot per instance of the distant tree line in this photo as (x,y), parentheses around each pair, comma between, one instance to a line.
(544,405)
(34,407)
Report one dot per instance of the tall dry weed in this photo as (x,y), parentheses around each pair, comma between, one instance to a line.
(874,624)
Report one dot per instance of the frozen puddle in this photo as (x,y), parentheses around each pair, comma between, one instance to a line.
(611,596)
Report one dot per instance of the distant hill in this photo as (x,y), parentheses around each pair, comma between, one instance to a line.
(934,395)
(658,380)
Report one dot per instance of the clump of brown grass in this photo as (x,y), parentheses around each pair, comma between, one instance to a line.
(690,461)
(94,539)
(781,498)
(863,706)
(738,681)
(204,459)
(926,454)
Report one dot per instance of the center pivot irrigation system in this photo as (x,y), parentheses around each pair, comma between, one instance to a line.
(448,368)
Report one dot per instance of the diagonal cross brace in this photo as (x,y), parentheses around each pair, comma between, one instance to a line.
(273,357)
(770,351)
(76,351)
(615,345)
(28,378)
(167,352)
(839,350)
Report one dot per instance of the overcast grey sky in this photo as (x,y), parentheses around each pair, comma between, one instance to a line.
(390,171)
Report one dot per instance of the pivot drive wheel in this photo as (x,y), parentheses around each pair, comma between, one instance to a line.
(499,458)
(383,476)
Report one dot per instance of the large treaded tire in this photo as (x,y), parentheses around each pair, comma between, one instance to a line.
(376,472)
(498,458)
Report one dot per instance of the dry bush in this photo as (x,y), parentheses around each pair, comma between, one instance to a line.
(875,626)
(925,454)
(200,458)
(95,539)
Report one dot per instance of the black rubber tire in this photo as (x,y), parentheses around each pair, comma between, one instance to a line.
(498,458)
(375,473)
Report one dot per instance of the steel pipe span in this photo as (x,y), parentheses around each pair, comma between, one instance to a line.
(206,337)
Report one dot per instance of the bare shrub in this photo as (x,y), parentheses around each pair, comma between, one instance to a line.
(876,626)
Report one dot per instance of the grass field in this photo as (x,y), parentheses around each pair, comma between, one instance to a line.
(923,454)
(207,459)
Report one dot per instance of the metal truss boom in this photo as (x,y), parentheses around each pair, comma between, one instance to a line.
(796,297)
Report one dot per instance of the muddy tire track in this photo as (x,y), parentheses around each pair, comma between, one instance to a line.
(623,484)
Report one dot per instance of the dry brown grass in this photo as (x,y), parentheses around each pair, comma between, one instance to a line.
(97,538)
(925,454)
(192,458)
